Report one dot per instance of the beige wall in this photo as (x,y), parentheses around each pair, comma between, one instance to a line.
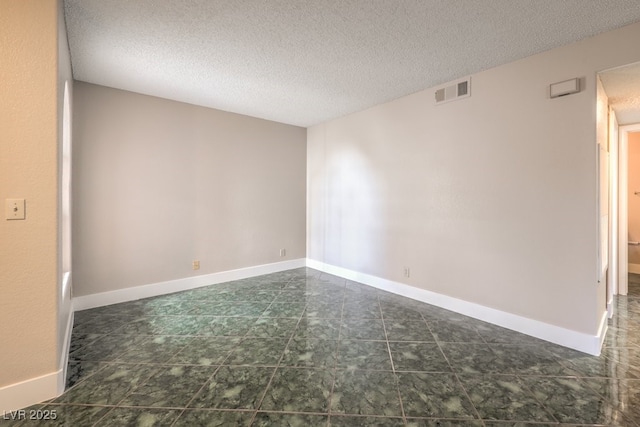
(28,169)
(634,201)
(602,140)
(490,199)
(158,184)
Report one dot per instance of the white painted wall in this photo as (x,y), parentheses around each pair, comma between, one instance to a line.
(158,184)
(491,199)
(65,310)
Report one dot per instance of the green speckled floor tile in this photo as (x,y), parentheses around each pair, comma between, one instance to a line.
(326,296)
(170,387)
(269,419)
(139,417)
(109,385)
(296,296)
(446,331)
(206,351)
(418,356)
(166,306)
(234,387)
(245,308)
(158,349)
(310,353)
(407,330)
(495,334)
(147,325)
(365,310)
(207,308)
(623,394)
(571,401)
(364,421)
(324,329)
(366,393)
(362,329)
(530,360)
(522,424)
(364,355)
(285,309)
(504,397)
(266,327)
(212,418)
(79,371)
(257,351)
(433,395)
(325,310)
(417,422)
(364,295)
(100,324)
(399,311)
(591,366)
(328,345)
(475,358)
(107,348)
(61,415)
(299,390)
(180,325)
(227,326)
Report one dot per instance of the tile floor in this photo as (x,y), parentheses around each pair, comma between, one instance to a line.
(301,348)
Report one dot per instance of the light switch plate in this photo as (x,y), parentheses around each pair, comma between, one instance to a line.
(14,209)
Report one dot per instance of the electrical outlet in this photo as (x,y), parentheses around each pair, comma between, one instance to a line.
(196,264)
(407,272)
(283,252)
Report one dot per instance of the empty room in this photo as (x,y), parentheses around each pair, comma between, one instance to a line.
(331,213)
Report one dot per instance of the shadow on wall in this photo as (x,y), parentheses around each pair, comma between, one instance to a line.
(353,212)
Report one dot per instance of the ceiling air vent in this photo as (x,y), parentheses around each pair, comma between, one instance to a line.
(461,89)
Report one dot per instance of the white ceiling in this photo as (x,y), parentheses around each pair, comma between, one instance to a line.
(306,61)
(622,86)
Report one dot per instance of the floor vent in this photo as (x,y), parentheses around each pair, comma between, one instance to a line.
(461,89)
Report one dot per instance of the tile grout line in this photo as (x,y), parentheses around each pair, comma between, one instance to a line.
(455,372)
(273,374)
(337,354)
(208,381)
(393,367)
(581,375)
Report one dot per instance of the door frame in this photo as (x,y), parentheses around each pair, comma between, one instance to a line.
(623,202)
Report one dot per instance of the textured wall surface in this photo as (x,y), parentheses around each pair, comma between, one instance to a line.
(28,169)
(158,184)
(489,199)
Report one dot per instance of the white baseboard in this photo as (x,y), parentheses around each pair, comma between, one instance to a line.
(65,308)
(602,332)
(586,343)
(64,357)
(26,393)
(34,390)
(634,268)
(171,286)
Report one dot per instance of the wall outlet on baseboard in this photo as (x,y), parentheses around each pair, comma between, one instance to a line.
(407,272)
(196,264)
(283,252)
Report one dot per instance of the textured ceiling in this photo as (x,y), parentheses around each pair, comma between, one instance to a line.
(306,61)
(622,86)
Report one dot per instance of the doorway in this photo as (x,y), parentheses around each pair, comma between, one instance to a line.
(622,88)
